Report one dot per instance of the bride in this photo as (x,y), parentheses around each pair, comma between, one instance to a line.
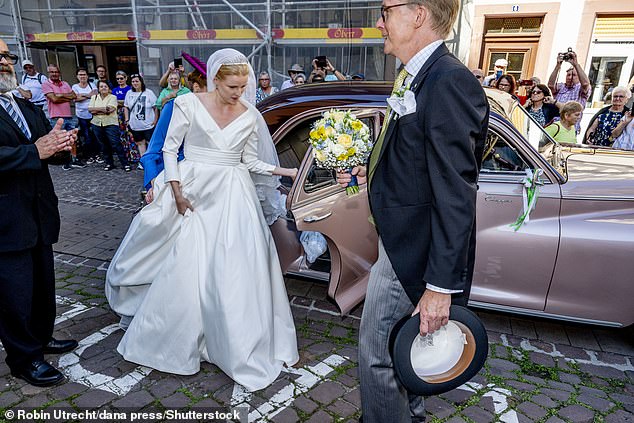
(212,287)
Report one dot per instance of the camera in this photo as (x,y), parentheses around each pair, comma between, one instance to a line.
(321,62)
(526,82)
(567,56)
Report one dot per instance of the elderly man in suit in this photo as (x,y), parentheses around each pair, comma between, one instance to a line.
(29,226)
(422,183)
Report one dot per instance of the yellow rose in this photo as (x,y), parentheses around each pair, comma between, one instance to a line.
(351,151)
(314,134)
(356,125)
(342,157)
(329,131)
(345,140)
(320,155)
(338,116)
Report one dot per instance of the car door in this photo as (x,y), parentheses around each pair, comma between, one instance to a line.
(318,204)
(513,268)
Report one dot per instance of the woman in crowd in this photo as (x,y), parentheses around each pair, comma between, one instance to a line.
(605,121)
(84,90)
(265,88)
(140,112)
(541,105)
(105,125)
(128,142)
(299,79)
(564,130)
(507,84)
(172,90)
(213,291)
(623,134)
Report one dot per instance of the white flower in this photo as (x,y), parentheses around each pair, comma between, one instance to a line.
(338,150)
(403,105)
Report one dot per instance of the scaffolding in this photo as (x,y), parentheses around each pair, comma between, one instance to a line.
(274,34)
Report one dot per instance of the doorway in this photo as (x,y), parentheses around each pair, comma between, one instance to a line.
(121,57)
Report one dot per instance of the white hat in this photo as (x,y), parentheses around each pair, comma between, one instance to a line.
(441,361)
(501,63)
(26,63)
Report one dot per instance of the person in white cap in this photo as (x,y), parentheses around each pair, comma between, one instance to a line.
(30,87)
(294,70)
(500,69)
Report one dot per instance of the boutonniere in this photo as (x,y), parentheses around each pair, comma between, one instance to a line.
(402,102)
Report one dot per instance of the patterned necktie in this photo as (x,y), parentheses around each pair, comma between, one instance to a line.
(8,106)
(376,151)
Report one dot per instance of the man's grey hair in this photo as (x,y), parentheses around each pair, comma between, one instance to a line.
(443,14)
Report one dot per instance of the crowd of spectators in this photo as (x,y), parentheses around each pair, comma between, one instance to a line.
(126,130)
(558,106)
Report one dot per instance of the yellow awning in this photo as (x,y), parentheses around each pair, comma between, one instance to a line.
(331,35)
(614,28)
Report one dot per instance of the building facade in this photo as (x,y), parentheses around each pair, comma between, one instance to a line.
(145,35)
(530,33)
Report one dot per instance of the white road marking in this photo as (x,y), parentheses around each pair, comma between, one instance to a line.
(71,366)
(312,307)
(76,309)
(526,345)
(309,376)
(499,397)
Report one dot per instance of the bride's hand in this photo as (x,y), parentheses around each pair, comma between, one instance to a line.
(149,195)
(182,204)
(292,173)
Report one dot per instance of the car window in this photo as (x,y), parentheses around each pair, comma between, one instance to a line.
(500,157)
(293,147)
(319,178)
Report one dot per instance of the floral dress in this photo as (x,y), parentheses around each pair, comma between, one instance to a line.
(125,136)
(607,123)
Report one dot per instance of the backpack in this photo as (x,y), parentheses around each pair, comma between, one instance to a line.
(39,78)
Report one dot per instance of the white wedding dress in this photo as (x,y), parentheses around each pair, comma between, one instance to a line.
(207,285)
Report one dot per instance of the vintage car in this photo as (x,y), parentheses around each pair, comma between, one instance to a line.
(574,259)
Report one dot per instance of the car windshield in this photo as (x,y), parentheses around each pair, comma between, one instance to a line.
(536,136)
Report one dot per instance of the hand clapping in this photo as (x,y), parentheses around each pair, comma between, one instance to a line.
(56,140)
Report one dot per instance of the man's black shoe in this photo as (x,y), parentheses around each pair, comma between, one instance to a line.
(39,373)
(59,347)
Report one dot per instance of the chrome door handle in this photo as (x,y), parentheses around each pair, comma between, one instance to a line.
(311,219)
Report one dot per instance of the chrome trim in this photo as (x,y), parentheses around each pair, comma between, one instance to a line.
(596,198)
(312,219)
(536,313)
(311,274)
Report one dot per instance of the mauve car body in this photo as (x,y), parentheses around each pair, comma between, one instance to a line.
(574,259)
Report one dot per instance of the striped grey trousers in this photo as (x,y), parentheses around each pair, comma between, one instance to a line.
(383,398)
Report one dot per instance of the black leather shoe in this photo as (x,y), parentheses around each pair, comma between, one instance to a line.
(39,373)
(59,347)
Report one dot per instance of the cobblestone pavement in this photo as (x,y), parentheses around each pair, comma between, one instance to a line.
(536,371)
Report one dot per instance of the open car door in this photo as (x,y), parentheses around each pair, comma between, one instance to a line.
(319,204)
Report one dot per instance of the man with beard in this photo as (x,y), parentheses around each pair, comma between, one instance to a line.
(29,226)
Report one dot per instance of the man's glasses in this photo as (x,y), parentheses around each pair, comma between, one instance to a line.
(264,79)
(10,58)
(384,9)
(120,78)
(618,96)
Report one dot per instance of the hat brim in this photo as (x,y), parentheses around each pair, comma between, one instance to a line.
(469,364)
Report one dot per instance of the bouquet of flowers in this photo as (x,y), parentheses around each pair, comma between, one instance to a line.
(341,141)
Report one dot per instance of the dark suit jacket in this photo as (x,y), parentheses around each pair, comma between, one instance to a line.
(28,205)
(423,191)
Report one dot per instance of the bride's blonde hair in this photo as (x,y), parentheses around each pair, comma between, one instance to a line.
(238,69)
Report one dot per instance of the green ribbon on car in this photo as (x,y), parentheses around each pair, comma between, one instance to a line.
(530,194)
